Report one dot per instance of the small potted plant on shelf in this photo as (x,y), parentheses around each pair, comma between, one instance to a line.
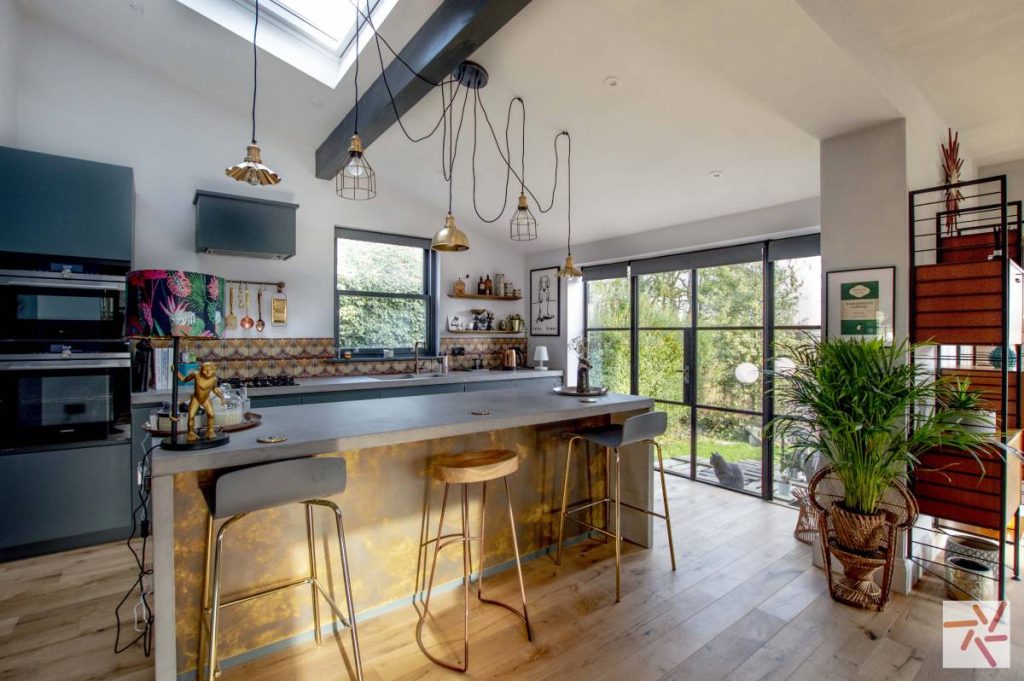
(871,413)
(959,403)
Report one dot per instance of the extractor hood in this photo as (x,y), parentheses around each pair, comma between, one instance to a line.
(239,225)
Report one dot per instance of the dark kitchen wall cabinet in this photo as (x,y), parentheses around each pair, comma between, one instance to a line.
(54,205)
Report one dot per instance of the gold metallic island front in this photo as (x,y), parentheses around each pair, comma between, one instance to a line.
(390,508)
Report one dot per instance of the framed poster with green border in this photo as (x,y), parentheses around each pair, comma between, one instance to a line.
(859,303)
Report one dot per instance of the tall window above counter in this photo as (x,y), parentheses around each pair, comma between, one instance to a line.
(385,293)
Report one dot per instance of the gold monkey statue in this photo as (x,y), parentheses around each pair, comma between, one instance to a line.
(206,383)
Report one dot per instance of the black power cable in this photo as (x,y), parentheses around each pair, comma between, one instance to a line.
(140,521)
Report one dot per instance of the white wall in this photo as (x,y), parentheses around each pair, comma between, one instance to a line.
(9,27)
(864,206)
(78,100)
(1014,171)
(788,219)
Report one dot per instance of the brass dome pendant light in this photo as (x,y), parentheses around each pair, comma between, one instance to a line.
(522,226)
(356,180)
(569,270)
(251,169)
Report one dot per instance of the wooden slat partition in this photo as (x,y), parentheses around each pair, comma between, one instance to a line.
(949,484)
(958,303)
(976,247)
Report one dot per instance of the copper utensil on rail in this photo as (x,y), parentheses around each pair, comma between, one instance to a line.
(232,321)
(260,324)
(247,321)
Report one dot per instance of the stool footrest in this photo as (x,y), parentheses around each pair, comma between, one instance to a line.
(581,507)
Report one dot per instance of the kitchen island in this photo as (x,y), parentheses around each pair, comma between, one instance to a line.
(389,506)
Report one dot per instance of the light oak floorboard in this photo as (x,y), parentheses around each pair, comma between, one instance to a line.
(744,605)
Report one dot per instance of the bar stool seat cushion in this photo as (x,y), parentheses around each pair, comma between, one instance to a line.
(256,488)
(635,429)
(469,467)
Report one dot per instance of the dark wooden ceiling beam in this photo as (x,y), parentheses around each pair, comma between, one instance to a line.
(452,33)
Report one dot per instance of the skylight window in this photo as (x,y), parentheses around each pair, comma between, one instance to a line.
(315,36)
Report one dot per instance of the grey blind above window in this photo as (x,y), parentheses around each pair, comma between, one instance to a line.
(613,270)
(381,238)
(729,255)
(794,247)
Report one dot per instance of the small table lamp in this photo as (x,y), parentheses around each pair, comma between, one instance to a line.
(175,304)
(540,355)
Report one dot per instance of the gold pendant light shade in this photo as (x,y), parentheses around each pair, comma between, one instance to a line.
(523,226)
(356,179)
(252,170)
(569,270)
(450,239)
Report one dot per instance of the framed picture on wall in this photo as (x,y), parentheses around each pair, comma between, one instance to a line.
(859,303)
(545,308)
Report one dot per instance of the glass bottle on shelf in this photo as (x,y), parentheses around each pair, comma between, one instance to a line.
(488,286)
(481,287)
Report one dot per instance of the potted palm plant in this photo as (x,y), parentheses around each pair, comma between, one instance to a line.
(871,413)
(958,398)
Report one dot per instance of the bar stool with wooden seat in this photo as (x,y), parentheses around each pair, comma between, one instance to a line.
(240,492)
(641,429)
(466,469)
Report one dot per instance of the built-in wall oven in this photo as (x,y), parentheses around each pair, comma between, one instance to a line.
(56,394)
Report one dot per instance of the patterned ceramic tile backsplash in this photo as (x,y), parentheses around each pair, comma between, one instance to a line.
(311,357)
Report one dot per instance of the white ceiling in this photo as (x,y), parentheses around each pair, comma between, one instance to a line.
(743,86)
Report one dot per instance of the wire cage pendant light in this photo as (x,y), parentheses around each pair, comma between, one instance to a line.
(356,179)
(523,226)
(251,169)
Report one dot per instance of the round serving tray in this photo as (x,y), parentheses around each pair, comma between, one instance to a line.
(252,419)
(570,391)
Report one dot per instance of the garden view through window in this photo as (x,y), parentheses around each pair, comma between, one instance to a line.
(384,292)
(698,339)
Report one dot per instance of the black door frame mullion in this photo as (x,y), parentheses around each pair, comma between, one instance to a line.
(767,380)
(634,336)
(690,357)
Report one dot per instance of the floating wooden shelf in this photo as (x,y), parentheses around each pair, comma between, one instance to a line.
(487,333)
(477,296)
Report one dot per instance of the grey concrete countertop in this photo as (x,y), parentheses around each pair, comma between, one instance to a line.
(359,424)
(153,398)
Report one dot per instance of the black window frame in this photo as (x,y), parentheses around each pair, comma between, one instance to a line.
(431,278)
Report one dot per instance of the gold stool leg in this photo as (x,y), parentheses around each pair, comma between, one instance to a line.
(618,527)
(311,545)
(664,498)
(466,571)
(357,658)
(565,499)
(430,588)
(211,662)
(204,599)
(483,524)
(519,564)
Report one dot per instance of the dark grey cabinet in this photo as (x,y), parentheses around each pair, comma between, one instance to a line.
(275,401)
(54,205)
(340,396)
(65,498)
(409,391)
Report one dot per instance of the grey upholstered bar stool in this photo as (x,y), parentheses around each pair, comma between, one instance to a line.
(256,488)
(636,429)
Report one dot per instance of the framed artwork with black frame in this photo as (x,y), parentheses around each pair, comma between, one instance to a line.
(860,303)
(545,305)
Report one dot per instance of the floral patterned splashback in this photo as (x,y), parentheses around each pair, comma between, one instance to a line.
(313,357)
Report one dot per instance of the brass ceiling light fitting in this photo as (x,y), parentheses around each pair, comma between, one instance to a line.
(356,180)
(569,269)
(450,239)
(251,169)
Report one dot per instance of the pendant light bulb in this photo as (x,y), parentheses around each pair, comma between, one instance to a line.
(450,239)
(356,179)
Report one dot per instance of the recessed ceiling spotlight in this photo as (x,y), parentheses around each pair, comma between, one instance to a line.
(716,174)
(612,81)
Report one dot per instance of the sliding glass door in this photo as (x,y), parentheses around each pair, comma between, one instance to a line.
(698,332)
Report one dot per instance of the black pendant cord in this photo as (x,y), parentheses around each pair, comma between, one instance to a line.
(454,146)
(568,191)
(522,150)
(369,19)
(508,151)
(355,78)
(255,28)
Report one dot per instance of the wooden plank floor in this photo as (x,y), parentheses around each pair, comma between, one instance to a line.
(745,604)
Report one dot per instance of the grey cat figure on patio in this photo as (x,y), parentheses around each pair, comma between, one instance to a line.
(729,474)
